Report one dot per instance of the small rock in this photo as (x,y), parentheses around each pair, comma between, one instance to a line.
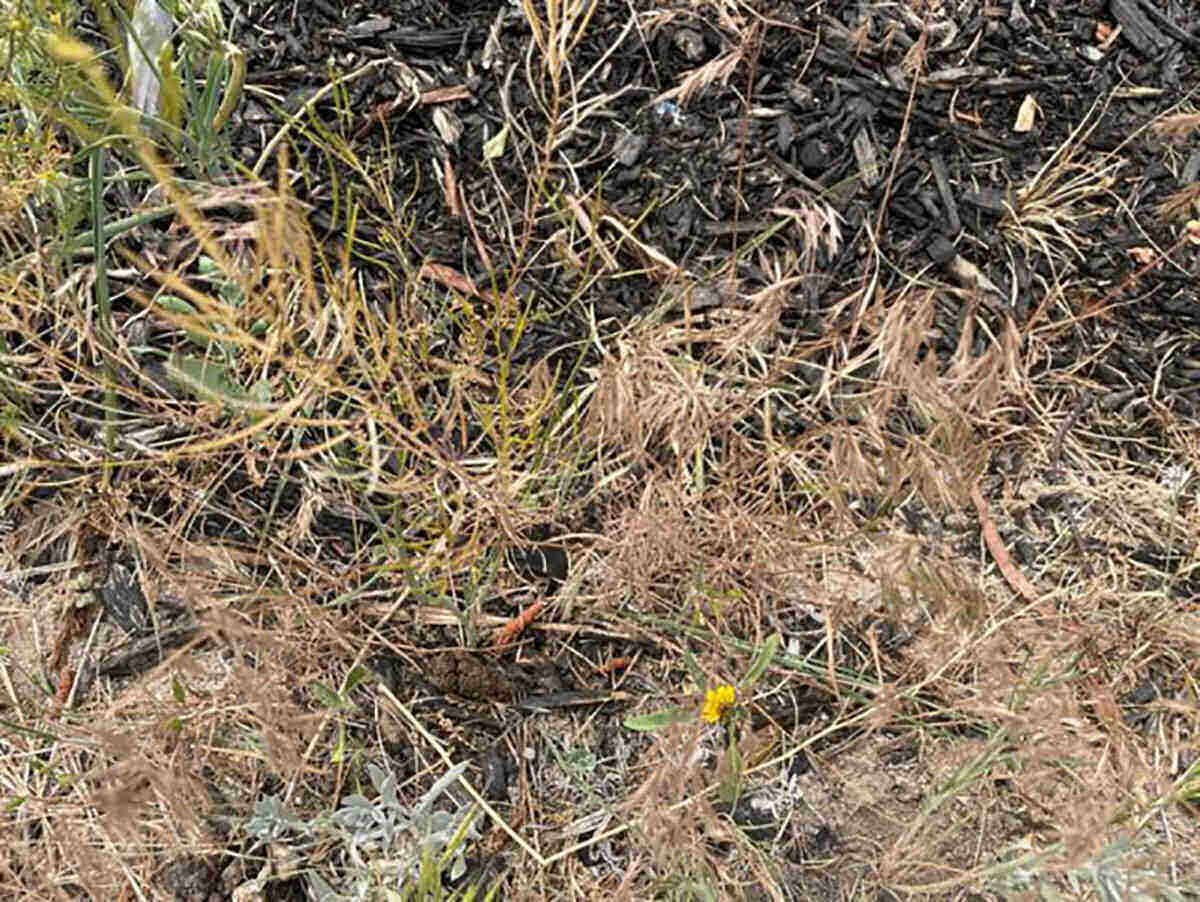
(629,148)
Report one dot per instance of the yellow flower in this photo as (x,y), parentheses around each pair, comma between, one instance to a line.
(717,703)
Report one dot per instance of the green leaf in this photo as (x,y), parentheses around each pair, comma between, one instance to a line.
(206,378)
(339,750)
(233,87)
(646,722)
(494,146)
(693,667)
(212,381)
(761,661)
(176,305)
(177,690)
(260,391)
(355,677)
(326,696)
(180,307)
(170,92)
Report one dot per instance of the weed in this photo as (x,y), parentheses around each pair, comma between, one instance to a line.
(390,846)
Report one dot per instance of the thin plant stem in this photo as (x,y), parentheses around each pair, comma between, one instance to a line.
(104,304)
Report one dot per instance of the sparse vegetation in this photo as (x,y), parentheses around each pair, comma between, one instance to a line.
(275,499)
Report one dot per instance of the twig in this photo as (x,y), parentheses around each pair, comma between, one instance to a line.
(902,141)
(1066,425)
(1015,577)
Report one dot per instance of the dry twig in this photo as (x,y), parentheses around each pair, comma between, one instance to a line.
(1015,577)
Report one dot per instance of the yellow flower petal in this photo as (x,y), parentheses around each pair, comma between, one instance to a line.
(717,703)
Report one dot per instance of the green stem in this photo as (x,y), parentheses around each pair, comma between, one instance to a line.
(104,303)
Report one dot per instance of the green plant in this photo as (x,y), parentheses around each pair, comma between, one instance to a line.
(392,848)
(213,376)
(1114,874)
(718,699)
(719,706)
(186,96)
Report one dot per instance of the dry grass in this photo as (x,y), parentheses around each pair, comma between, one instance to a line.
(300,502)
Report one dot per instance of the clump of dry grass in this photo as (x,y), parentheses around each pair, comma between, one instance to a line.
(999,700)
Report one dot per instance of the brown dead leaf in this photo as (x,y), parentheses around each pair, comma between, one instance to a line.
(1015,578)
(450,186)
(444,275)
(1026,115)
